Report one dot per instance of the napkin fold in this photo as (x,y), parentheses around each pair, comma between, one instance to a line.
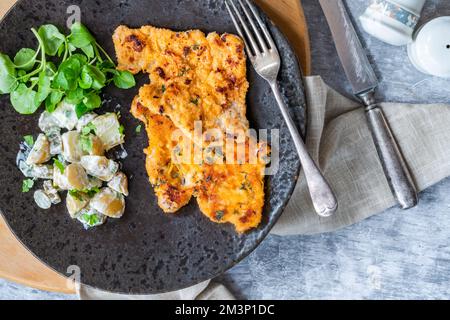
(339,140)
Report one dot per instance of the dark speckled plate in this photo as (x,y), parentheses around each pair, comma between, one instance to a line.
(146,251)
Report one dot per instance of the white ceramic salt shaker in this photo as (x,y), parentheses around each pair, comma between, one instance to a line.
(430,50)
(392,21)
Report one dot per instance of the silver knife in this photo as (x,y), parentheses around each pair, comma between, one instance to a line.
(364,83)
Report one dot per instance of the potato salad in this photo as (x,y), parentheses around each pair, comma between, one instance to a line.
(70,155)
(65,74)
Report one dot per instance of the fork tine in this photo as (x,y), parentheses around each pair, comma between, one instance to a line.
(254,45)
(238,28)
(262,26)
(255,29)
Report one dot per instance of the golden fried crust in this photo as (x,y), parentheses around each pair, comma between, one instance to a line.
(232,194)
(194,77)
(163,174)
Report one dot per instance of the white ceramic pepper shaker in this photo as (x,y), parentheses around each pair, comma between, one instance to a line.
(430,50)
(392,21)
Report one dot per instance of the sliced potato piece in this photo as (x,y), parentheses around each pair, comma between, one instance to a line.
(51,192)
(42,200)
(100,167)
(85,120)
(107,128)
(60,179)
(40,153)
(75,202)
(55,139)
(119,183)
(65,115)
(47,122)
(77,177)
(74,177)
(36,171)
(94,183)
(109,203)
(72,151)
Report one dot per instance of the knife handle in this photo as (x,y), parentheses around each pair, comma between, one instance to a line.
(394,165)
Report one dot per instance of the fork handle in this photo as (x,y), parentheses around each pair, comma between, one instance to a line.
(322,195)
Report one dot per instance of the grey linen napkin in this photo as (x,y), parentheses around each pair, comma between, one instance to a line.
(339,140)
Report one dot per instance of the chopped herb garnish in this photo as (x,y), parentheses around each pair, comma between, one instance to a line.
(88,192)
(27,185)
(29,140)
(122,129)
(195,101)
(183,72)
(219,215)
(59,165)
(92,192)
(90,219)
(195,47)
(246,186)
(87,129)
(163,88)
(139,129)
(76,194)
(86,143)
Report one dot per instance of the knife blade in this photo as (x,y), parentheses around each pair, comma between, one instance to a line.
(351,53)
(364,82)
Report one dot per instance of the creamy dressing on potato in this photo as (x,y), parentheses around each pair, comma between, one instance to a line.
(70,156)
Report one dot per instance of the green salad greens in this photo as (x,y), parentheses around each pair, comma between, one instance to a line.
(34,77)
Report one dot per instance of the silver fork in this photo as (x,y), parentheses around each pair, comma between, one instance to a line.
(265,58)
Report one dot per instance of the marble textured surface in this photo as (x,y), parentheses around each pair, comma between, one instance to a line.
(394,255)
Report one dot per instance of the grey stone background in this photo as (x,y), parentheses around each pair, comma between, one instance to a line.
(394,255)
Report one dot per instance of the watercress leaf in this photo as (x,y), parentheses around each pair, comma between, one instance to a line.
(65,80)
(80,36)
(97,76)
(81,58)
(25,59)
(51,68)
(106,65)
(85,81)
(22,73)
(72,48)
(61,50)
(75,96)
(52,100)
(23,100)
(44,88)
(69,72)
(92,101)
(88,51)
(7,75)
(52,39)
(81,110)
(124,80)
